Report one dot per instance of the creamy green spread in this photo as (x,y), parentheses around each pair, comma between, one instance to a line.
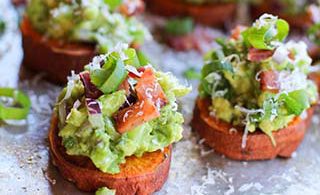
(105,191)
(93,21)
(258,81)
(101,119)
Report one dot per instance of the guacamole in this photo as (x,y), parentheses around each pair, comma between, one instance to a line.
(119,106)
(105,191)
(93,21)
(256,80)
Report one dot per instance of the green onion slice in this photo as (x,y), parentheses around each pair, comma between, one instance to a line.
(119,73)
(14,113)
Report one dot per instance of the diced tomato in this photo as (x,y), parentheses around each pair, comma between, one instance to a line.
(133,116)
(149,88)
(132,7)
(269,81)
(135,75)
(236,32)
(258,55)
(91,91)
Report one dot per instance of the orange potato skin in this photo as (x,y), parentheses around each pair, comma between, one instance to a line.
(52,57)
(258,146)
(215,14)
(138,176)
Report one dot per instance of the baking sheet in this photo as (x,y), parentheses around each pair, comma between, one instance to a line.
(25,166)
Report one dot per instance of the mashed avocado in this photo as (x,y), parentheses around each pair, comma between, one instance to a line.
(257,80)
(93,21)
(105,191)
(88,123)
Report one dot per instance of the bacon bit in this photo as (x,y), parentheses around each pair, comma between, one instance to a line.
(134,75)
(132,7)
(133,116)
(93,106)
(149,88)
(91,91)
(236,32)
(258,55)
(269,81)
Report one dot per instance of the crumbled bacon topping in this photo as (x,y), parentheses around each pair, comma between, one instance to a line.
(269,81)
(258,55)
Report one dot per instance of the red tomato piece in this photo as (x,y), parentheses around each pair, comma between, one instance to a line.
(149,88)
(258,55)
(135,115)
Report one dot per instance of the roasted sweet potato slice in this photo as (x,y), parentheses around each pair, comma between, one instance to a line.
(138,176)
(226,139)
(56,58)
(53,57)
(135,115)
(213,14)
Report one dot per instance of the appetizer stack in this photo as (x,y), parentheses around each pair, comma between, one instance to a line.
(255,98)
(60,36)
(208,12)
(114,123)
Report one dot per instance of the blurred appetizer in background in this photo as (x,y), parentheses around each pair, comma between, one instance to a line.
(182,34)
(18,2)
(295,12)
(62,35)
(114,123)
(207,12)
(256,100)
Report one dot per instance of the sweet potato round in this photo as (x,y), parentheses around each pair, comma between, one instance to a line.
(217,135)
(296,21)
(213,14)
(54,58)
(138,176)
